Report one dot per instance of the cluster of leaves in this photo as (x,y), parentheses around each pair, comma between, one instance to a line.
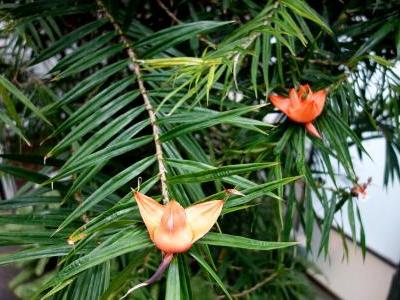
(69,93)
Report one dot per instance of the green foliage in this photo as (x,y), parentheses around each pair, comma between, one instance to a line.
(70,91)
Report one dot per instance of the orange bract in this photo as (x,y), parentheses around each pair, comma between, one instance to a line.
(174,229)
(302,106)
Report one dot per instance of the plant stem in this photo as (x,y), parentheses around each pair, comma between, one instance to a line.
(253,288)
(147,104)
(177,21)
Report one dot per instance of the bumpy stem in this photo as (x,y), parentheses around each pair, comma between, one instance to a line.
(142,89)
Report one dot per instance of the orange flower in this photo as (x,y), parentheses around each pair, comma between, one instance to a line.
(360,189)
(174,229)
(302,106)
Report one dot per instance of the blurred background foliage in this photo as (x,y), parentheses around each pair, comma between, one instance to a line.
(76,137)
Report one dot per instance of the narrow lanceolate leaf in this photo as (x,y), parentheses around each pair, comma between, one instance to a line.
(90,60)
(213,174)
(199,113)
(81,52)
(10,123)
(87,109)
(23,173)
(115,126)
(207,121)
(87,85)
(41,237)
(124,242)
(24,201)
(35,253)
(109,187)
(98,276)
(100,156)
(12,89)
(166,38)
(68,40)
(326,228)
(374,39)
(96,119)
(257,192)
(303,9)
(9,105)
(227,240)
(32,159)
(173,283)
(210,271)
(192,166)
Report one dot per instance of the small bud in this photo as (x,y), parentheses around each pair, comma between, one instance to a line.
(231,192)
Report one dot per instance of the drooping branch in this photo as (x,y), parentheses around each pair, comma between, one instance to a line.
(148,106)
(253,288)
(177,21)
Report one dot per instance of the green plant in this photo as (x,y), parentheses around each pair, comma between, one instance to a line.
(103,96)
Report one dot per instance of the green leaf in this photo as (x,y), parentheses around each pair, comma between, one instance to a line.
(207,121)
(10,123)
(173,283)
(24,201)
(87,85)
(108,187)
(98,277)
(101,156)
(254,65)
(227,240)
(363,243)
(27,237)
(93,104)
(89,61)
(257,192)
(374,39)
(10,107)
(191,166)
(210,271)
(68,40)
(35,253)
(107,132)
(81,52)
(123,242)
(23,173)
(210,81)
(220,172)
(96,119)
(12,89)
(326,228)
(351,217)
(167,38)
(303,9)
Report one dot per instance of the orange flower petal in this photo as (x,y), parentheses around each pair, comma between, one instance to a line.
(319,100)
(174,234)
(303,113)
(294,98)
(150,210)
(304,91)
(312,130)
(302,106)
(280,102)
(201,217)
